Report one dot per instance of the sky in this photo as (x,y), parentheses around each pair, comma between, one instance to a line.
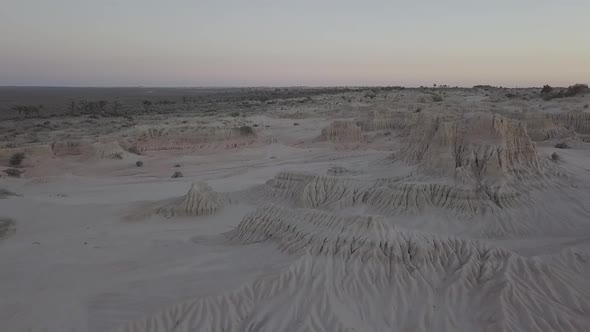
(293,43)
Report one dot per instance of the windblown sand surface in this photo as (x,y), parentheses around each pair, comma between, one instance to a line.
(351,211)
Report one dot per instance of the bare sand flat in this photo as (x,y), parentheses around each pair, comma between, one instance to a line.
(360,209)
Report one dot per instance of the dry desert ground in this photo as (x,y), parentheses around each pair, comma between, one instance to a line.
(294,209)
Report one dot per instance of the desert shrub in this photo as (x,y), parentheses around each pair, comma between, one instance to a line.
(418,110)
(165,102)
(177,165)
(576,89)
(296,123)
(117,155)
(255,125)
(5,193)
(370,94)
(555,157)
(139,163)
(13,172)
(16,159)
(562,145)
(437,98)
(586,106)
(246,130)
(146,105)
(546,89)
(572,90)
(7,227)
(28,111)
(483,87)
(553,95)
(511,95)
(234,114)
(177,174)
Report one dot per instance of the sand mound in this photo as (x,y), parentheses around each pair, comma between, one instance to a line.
(361,274)
(191,138)
(341,131)
(7,227)
(200,200)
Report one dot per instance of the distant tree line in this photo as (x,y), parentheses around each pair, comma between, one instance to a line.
(548,92)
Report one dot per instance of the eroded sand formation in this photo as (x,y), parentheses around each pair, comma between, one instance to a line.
(341,131)
(391,212)
(89,150)
(477,164)
(360,273)
(200,200)
(190,138)
(479,149)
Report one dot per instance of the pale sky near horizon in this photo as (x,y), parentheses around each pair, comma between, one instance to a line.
(286,43)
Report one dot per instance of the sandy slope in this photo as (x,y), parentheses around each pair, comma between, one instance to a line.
(373,217)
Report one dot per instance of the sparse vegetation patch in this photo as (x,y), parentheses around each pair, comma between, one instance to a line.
(437,98)
(571,91)
(16,159)
(7,227)
(13,172)
(246,130)
(4,193)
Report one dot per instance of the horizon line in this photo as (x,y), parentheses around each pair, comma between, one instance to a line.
(446,86)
